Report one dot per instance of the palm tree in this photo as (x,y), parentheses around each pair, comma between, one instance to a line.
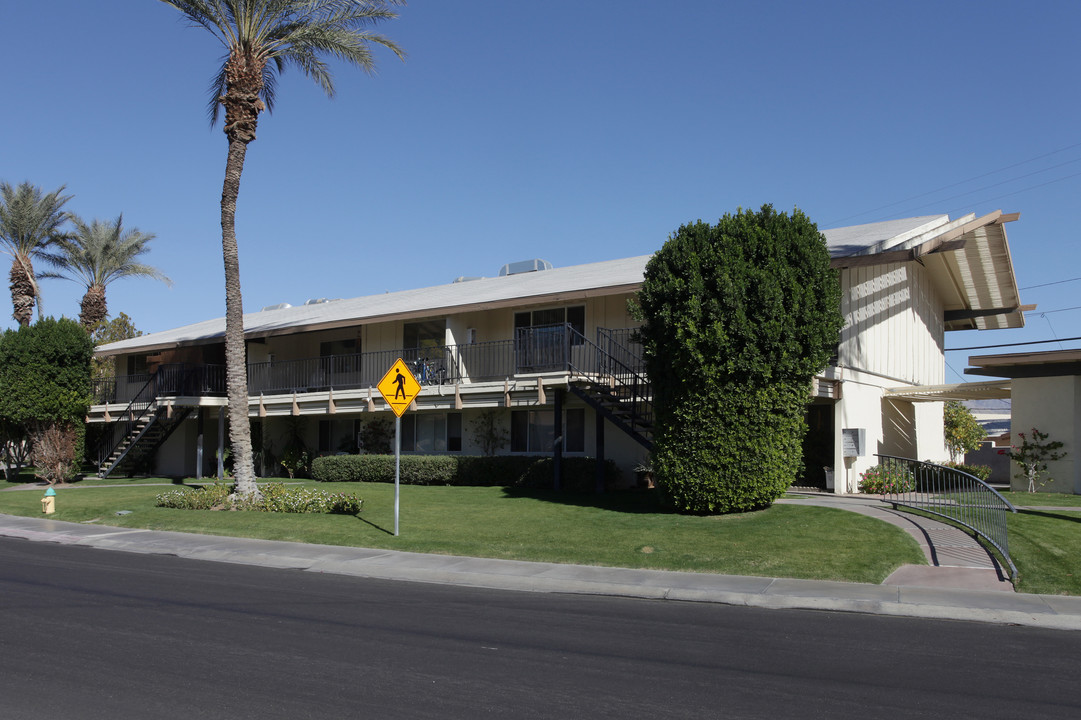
(30,223)
(262,37)
(96,255)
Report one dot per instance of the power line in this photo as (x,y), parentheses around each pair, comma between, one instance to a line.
(1033,342)
(1057,282)
(1018,192)
(938,203)
(952,185)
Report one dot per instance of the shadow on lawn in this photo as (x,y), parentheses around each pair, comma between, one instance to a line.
(626,501)
(1071,516)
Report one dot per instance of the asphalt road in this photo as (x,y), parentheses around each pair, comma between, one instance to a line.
(88,634)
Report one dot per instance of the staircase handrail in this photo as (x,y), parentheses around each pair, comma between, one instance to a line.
(146,398)
(608,335)
(627,377)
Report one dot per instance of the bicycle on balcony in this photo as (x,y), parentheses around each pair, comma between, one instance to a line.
(429,372)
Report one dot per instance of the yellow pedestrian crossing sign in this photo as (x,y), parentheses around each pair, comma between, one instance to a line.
(398,387)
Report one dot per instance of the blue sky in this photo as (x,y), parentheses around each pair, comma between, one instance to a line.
(570,131)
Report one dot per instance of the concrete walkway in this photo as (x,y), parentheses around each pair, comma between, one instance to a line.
(961,583)
(954,558)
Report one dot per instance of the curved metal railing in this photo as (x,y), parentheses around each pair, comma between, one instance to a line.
(952,494)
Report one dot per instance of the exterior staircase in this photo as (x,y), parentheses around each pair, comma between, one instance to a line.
(613,382)
(141,428)
(141,439)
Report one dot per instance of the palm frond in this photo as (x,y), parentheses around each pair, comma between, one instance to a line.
(100,252)
(30,220)
(301,33)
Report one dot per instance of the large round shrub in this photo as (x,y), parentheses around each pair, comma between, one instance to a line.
(737,319)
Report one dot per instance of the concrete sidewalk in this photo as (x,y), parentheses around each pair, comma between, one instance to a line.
(954,592)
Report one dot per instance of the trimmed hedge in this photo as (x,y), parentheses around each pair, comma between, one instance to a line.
(465,470)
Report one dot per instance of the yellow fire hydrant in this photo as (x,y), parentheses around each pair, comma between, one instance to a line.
(48,503)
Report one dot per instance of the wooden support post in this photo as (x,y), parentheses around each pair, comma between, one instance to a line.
(221,444)
(199,444)
(557,443)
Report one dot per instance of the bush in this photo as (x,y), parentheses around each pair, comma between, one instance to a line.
(737,318)
(887,478)
(464,470)
(414,469)
(208,497)
(983,472)
(276,497)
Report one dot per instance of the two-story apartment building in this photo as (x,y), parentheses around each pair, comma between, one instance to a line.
(550,352)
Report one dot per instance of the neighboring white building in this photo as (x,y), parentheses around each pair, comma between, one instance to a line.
(552,343)
(1045,390)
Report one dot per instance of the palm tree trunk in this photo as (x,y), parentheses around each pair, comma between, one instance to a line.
(23,290)
(92,310)
(236,368)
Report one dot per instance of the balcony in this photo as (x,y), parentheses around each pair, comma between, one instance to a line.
(538,349)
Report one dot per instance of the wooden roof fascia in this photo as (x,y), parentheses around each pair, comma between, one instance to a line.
(950,240)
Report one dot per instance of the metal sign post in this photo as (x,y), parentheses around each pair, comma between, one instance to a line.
(397,466)
(399,388)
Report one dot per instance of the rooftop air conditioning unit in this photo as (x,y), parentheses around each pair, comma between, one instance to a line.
(279,306)
(524,266)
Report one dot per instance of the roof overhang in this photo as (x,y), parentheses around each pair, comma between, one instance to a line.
(1054,363)
(988,390)
(969,263)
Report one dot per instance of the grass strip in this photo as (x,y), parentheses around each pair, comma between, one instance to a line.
(616,529)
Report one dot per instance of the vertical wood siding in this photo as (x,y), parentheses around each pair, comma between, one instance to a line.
(893,323)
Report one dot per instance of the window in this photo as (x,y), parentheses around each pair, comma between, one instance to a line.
(337,436)
(533,431)
(137,365)
(432,432)
(575,315)
(541,343)
(424,335)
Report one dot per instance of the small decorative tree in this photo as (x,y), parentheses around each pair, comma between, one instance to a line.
(489,432)
(1033,454)
(376,436)
(962,432)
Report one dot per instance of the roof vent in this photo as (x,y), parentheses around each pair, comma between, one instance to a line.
(279,306)
(524,266)
(468,278)
(317,301)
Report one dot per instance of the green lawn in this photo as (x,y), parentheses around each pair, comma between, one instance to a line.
(1027,499)
(618,529)
(1046,547)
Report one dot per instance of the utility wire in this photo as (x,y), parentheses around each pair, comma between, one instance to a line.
(953,185)
(1018,192)
(938,203)
(1057,282)
(1033,342)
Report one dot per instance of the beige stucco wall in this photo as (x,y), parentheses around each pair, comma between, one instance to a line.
(1051,405)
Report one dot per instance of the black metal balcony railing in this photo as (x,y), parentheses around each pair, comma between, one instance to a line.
(547,348)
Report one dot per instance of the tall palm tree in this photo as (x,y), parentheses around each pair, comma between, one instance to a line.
(261,38)
(30,223)
(95,255)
